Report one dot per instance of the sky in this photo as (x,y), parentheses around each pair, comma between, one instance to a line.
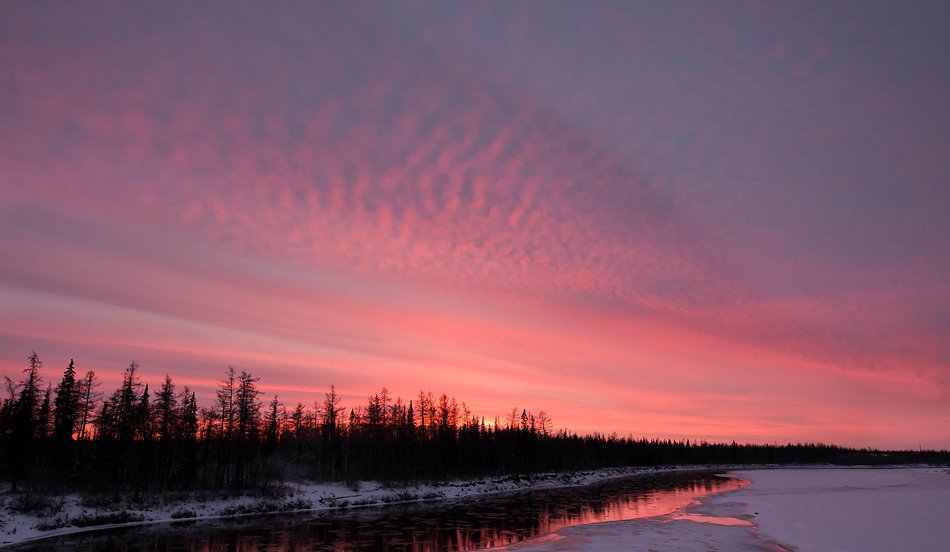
(704,220)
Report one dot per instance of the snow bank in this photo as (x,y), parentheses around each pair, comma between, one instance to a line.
(806,510)
(60,515)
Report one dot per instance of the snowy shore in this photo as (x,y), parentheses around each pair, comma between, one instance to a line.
(801,509)
(805,510)
(60,515)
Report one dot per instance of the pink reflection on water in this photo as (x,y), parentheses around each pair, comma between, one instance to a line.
(650,504)
(498,522)
(714,520)
(655,503)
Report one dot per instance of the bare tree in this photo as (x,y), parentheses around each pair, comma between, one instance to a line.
(88,401)
(226,405)
(544,423)
(423,410)
(512,419)
(331,413)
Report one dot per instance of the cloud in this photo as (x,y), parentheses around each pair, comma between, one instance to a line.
(572,207)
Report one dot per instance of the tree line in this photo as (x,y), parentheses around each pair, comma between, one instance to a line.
(72,436)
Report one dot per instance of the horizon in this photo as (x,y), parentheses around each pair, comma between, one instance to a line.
(724,222)
(349,402)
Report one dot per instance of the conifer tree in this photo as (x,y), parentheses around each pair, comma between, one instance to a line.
(331,413)
(66,405)
(143,417)
(23,431)
(44,416)
(164,411)
(297,421)
(125,404)
(272,423)
(186,462)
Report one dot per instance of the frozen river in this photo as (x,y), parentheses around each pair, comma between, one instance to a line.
(831,509)
(472,524)
(805,510)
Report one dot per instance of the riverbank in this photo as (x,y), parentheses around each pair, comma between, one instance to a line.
(802,509)
(49,516)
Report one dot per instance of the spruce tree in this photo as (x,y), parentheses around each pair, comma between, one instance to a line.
(66,407)
(23,430)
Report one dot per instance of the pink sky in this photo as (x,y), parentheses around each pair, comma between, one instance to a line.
(721,222)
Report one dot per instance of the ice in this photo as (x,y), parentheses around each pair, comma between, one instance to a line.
(655,535)
(850,509)
(801,509)
(805,510)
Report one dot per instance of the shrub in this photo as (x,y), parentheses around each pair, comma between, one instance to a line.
(266,507)
(299,504)
(30,503)
(52,524)
(107,519)
(100,500)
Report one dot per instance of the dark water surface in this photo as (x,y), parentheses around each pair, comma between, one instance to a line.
(444,525)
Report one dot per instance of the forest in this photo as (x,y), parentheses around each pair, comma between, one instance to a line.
(70,436)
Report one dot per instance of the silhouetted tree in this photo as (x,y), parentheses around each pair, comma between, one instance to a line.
(272,423)
(186,462)
(544,424)
(142,423)
(65,418)
(44,417)
(297,422)
(144,444)
(512,419)
(165,411)
(125,404)
(118,425)
(225,417)
(422,412)
(88,397)
(23,430)
(248,423)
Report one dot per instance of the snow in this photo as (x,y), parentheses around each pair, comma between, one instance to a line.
(849,509)
(800,509)
(805,510)
(296,497)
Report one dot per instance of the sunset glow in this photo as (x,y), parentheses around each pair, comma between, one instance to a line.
(704,221)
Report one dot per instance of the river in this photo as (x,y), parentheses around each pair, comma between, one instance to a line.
(470,524)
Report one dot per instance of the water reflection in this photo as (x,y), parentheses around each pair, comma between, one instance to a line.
(714,520)
(445,526)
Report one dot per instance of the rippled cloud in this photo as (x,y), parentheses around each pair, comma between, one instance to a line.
(562,208)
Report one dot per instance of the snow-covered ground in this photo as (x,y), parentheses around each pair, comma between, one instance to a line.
(805,510)
(59,516)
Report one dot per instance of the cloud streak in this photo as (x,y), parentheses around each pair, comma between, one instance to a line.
(514,209)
